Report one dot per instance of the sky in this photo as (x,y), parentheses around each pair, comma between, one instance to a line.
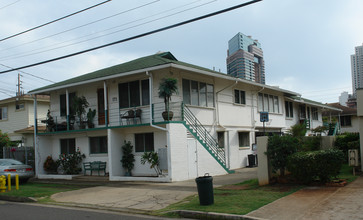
(306,43)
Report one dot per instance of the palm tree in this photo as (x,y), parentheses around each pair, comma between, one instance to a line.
(167,87)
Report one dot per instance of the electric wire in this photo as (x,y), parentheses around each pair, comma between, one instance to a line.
(6,93)
(137,36)
(81,26)
(9,4)
(38,77)
(58,19)
(32,52)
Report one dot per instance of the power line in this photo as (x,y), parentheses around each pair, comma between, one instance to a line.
(84,25)
(137,36)
(42,25)
(29,74)
(9,4)
(114,32)
(6,93)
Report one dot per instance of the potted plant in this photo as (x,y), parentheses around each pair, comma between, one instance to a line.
(153,159)
(128,158)
(50,166)
(79,105)
(167,87)
(90,116)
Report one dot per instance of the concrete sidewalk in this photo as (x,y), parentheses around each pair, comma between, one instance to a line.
(144,196)
(317,203)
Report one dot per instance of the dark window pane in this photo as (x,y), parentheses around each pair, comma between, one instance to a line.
(243,97)
(62,103)
(71,98)
(68,146)
(291,110)
(139,143)
(186,91)
(134,93)
(149,142)
(220,137)
(98,145)
(145,92)
(123,90)
(236,96)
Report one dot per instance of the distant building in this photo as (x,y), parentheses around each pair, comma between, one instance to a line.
(357,69)
(343,98)
(245,59)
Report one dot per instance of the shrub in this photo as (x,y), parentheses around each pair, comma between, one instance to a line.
(321,165)
(50,165)
(70,162)
(346,142)
(311,143)
(278,150)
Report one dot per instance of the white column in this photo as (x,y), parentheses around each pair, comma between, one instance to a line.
(37,165)
(105,100)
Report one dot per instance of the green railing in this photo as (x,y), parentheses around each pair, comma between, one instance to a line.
(333,129)
(204,137)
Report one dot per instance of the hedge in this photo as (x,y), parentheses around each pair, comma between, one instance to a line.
(320,165)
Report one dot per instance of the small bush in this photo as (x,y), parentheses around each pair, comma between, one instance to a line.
(278,150)
(311,143)
(346,142)
(70,163)
(320,165)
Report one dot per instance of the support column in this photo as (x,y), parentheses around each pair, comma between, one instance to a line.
(67,108)
(105,100)
(35,136)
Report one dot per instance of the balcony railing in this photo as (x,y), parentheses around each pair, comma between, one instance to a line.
(134,116)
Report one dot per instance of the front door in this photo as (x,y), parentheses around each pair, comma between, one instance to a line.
(101,106)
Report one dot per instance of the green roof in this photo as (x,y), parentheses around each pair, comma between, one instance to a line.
(138,64)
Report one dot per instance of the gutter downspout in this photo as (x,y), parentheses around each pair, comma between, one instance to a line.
(151,79)
(217,119)
(253,121)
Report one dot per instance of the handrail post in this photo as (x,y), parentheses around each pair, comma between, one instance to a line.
(152,113)
(182,111)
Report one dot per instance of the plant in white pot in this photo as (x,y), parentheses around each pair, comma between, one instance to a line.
(167,87)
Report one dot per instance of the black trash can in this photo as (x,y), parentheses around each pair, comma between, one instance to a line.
(205,189)
(251,160)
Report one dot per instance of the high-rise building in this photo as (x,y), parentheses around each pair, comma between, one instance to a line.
(245,58)
(357,69)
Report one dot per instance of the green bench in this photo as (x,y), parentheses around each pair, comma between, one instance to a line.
(94,166)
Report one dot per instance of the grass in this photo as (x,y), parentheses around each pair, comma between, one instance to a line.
(236,199)
(39,190)
(346,172)
(244,197)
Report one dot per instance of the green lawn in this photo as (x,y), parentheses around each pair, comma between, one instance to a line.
(39,190)
(244,197)
(236,199)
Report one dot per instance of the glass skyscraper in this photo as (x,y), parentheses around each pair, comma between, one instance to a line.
(357,69)
(245,58)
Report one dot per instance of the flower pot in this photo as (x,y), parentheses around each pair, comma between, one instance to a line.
(128,173)
(167,115)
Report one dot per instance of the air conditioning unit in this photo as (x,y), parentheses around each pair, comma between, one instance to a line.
(353,157)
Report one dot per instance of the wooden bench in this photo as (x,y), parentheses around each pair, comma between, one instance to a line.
(94,166)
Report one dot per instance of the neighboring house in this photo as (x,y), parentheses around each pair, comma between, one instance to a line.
(347,117)
(216,118)
(17,117)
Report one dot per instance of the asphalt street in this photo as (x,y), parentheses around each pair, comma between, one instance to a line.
(21,211)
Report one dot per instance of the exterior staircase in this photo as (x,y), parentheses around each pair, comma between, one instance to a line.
(204,137)
(333,129)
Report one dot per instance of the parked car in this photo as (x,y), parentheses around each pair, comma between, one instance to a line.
(13,167)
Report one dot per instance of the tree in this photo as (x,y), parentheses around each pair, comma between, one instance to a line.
(4,140)
(167,87)
(279,149)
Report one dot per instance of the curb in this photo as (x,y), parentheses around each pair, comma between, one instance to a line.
(213,215)
(17,199)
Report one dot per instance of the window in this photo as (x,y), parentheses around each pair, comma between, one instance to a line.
(198,93)
(244,139)
(68,146)
(19,106)
(133,94)
(239,97)
(220,138)
(268,103)
(63,105)
(98,145)
(144,142)
(289,110)
(3,113)
(302,112)
(315,114)
(345,121)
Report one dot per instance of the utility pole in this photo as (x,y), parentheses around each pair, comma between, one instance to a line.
(19,85)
